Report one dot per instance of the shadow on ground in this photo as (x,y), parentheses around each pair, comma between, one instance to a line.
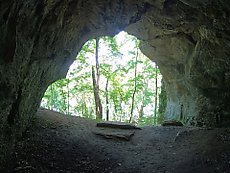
(59,143)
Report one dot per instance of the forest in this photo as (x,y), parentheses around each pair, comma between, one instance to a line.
(112,80)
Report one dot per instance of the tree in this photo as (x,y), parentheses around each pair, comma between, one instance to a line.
(124,83)
(156,87)
(135,88)
(96,80)
(107,99)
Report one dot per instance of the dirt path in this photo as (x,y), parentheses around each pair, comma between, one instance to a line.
(58,143)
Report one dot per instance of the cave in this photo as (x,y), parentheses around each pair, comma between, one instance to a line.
(188,39)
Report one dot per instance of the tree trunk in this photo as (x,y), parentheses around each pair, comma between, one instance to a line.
(68,99)
(96,80)
(135,89)
(62,107)
(141,110)
(115,110)
(120,106)
(52,97)
(98,105)
(107,99)
(83,112)
(155,111)
(97,63)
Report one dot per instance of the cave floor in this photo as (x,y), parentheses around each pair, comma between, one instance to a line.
(60,143)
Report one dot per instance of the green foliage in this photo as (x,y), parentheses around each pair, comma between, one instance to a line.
(74,95)
(112,44)
(146,121)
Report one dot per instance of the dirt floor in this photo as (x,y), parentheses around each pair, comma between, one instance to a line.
(59,143)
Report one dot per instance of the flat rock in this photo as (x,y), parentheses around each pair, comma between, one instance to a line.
(172,123)
(119,125)
(115,134)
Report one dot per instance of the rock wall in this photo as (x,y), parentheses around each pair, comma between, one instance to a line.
(39,40)
(189,39)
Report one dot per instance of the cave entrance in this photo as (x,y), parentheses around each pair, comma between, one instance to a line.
(129,83)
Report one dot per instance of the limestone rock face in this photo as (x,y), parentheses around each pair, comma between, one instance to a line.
(190,43)
(39,40)
(189,40)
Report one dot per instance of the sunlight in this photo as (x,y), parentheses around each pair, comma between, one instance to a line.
(124,71)
(126,43)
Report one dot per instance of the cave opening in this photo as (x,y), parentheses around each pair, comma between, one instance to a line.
(190,42)
(129,83)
